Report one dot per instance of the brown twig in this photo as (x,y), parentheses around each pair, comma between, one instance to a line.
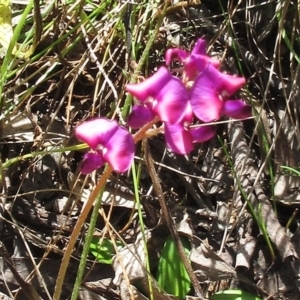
(28,290)
(161,198)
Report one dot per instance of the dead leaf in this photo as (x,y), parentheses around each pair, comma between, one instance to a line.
(208,265)
(130,262)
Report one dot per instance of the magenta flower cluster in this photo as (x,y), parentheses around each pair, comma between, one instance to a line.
(185,105)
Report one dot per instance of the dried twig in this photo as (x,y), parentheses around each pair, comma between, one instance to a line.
(166,214)
(28,289)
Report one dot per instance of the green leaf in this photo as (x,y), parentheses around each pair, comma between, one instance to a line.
(234,295)
(171,274)
(103,249)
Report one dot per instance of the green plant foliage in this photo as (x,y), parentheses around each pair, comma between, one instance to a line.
(291,170)
(103,249)
(171,274)
(234,295)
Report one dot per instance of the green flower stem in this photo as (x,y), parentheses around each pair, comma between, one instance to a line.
(139,209)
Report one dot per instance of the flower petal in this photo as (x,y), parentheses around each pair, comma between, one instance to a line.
(120,149)
(237,109)
(205,101)
(179,54)
(203,133)
(139,116)
(91,162)
(150,86)
(168,93)
(197,63)
(178,138)
(199,47)
(172,101)
(225,84)
(96,132)
(188,114)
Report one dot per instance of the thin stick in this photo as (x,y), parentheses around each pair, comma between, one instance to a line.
(169,221)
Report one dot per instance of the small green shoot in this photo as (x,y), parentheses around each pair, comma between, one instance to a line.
(171,275)
(234,295)
(103,249)
(291,170)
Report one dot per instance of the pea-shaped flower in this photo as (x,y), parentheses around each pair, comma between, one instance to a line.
(162,95)
(194,62)
(109,143)
(210,92)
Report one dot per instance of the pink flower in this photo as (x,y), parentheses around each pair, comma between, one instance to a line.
(194,62)
(109,143)
(210,92)
(203,91)
(178,138)
(181,139)
(237,109)
(163,95)
(140,116)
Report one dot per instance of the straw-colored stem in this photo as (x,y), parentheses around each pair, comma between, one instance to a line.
(76,231)
(101,183)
